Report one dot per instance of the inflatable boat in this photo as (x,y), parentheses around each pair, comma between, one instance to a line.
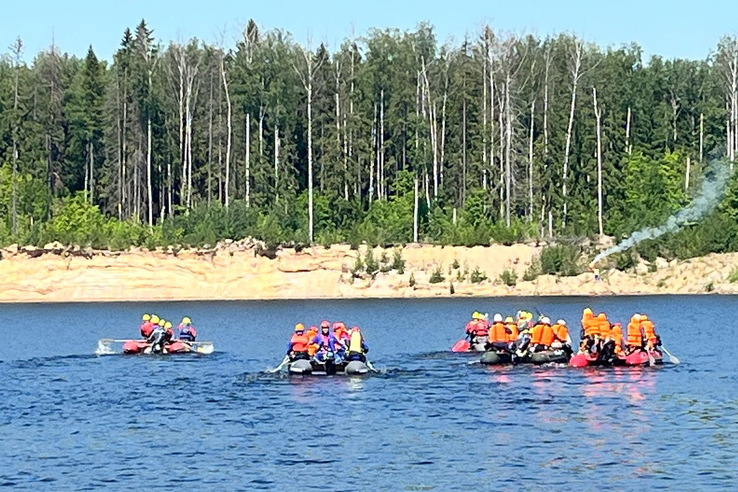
(305,367)
(500,357)
(131,347)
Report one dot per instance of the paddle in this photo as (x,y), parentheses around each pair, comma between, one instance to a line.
(461,346)
(280,366)
(370,366)
(672,359)
(204,348)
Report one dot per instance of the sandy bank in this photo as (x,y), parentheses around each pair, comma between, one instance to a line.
(236,271)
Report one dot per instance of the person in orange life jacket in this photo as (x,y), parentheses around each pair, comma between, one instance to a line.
(542,336)
(561,337)
(610,340)
(634,335)
(187,332)
(341,332)
(471,324)
(649,333)
(498,334)
(326,342)
(603,329)
(297,348)
(147,326)
(160,336)
(311,333)
(357,346)
(513,332)
(589,333)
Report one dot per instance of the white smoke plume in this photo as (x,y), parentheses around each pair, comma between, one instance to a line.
(712,192)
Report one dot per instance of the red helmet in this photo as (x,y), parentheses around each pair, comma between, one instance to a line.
(336,325)
(325,324)
(313,328)
(355,328)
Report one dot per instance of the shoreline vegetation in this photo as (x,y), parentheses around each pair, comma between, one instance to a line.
(505,152)
(247,270)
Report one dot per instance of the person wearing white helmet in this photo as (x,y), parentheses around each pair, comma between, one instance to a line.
(499,334)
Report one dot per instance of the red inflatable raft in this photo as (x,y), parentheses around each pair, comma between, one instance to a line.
(140,346)
(640,358)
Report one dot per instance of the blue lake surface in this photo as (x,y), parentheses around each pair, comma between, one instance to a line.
(432,420)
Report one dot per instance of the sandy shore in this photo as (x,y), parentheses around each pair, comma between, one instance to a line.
(237,271)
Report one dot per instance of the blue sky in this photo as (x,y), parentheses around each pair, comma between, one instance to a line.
(671,28)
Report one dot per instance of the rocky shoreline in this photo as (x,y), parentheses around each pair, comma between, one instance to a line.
(247,270)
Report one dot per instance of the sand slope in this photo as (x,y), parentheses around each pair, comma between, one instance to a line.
(236,271)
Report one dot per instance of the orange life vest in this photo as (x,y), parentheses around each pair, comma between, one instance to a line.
(648,331)
(547,335)
(311,333)
(514,334)
(635,336)
(341,333)
(604,328)
(591,327)
(536,333)
(497,333)
(561,332)
(299,342)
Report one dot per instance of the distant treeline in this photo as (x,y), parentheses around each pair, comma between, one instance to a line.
(496,138)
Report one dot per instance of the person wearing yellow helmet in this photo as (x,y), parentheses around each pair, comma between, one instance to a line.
(186,331)
(297,348)
(146,327)
(160,337)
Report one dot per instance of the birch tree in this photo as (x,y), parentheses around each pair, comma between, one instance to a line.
(306,75)
(576,54)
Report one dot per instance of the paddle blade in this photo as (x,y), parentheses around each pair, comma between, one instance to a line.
(461,346)
(672,358)
(103,347)
(205,348)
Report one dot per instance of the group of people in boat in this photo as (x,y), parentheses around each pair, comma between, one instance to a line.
(336,343)
(159,332)
(606,340)
(520,334)
(599,337)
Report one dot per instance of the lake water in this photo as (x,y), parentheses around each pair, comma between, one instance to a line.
(71,420)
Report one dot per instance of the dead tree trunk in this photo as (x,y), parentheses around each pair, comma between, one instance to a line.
(229,130)
(248,159)
(598,116)
(576,54)
(530,159)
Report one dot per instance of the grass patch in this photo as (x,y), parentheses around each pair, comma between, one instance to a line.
(478,276)
(437,276)
(509,278)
